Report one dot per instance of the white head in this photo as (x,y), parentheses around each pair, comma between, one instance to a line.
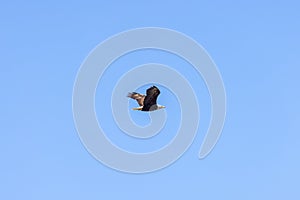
(160,107)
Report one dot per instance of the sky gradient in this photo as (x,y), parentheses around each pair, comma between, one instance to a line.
(256,48)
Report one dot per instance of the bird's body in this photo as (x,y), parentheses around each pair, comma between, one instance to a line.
(148,102)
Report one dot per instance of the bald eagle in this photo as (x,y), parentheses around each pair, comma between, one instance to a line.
(147,102)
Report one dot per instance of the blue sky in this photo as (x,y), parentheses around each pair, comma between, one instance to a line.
(256,48)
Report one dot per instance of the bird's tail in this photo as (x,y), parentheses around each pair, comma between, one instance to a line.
(138,108)
(131,94)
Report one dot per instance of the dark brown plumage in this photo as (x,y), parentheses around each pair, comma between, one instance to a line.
(148,102)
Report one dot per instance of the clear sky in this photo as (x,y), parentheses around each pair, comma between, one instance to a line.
(256,48)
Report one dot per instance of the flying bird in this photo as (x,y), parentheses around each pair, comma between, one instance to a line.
(147,102)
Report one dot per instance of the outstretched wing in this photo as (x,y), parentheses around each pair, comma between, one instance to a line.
(138,97)
(150,99)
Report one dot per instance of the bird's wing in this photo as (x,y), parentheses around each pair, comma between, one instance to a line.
(150,99)
(138,97)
